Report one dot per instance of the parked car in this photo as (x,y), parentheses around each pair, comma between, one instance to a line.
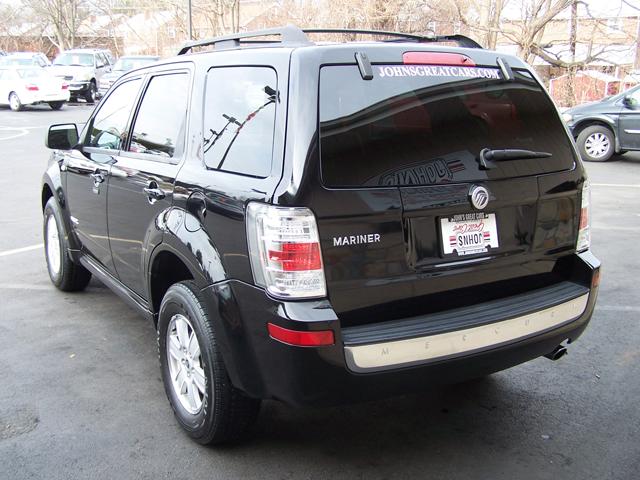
(123,65)
(20,86)
(83,69)
(326,223)
(25,59)
(609,126)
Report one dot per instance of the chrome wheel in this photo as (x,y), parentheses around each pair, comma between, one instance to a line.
(185,364)
(53,245)
(597,145)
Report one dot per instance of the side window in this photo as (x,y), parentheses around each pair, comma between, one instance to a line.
(239,119)
(108,129)
(160,124)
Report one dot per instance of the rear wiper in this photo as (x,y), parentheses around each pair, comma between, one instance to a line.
(488,157)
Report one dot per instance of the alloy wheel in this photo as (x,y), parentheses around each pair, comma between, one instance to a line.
(186,367)
(53,245)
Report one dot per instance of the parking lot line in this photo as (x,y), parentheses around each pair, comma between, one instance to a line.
(25,286)
(15,251)
(618,308)
(619,185)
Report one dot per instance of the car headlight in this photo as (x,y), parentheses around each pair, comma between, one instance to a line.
(567,117)
(83,77)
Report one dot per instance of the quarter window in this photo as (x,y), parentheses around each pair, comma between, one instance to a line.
(109,125)
(160,124)
(239,119)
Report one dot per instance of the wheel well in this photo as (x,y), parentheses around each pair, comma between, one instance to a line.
(46,195)
(166,270)
(590,123)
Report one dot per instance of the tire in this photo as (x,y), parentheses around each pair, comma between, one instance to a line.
(63,272)
(14,102)
(596,144)
(211,410)
(56,105)
(90,95)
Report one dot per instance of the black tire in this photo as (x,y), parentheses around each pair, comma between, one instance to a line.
(68,276)
(90,95)
(589,141)
(226,413)
(14,102)
(56,105)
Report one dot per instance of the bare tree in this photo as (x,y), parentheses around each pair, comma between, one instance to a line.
(62,16)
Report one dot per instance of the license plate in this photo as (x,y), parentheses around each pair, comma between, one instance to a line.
(469,233)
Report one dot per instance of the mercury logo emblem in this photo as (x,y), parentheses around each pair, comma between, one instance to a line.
(479,197)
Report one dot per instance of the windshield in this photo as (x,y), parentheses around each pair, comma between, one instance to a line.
(75,59)
(16,61)
(126,64)
(424,125)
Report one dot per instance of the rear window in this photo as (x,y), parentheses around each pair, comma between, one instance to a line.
(425,125)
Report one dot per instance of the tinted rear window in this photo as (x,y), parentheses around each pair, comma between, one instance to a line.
(424,125)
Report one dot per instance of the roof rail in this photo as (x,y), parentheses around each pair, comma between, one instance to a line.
(292,34)
(287,34)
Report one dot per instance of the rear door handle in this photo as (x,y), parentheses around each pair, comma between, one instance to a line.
(153,193)
(97,178)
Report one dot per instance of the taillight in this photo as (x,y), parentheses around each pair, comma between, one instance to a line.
(284,248)
(65,86)
(32,88)
(584,236)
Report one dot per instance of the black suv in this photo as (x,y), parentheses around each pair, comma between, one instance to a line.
(326,223)
(609,126)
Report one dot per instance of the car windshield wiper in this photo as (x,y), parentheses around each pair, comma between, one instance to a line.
(488,157)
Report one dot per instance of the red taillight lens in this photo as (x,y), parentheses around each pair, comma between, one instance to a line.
(295,257)
(437,58)
(65,86)
(32,88)
(301,339)
(584,217)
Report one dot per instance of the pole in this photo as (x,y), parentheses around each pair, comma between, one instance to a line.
(190,21)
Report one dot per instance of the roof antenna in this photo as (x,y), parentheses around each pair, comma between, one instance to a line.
(364,65)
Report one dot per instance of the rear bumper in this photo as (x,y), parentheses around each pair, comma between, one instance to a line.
(354,369)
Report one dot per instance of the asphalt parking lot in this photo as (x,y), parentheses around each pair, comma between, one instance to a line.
(81,394)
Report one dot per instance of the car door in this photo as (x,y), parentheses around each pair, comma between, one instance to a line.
(142,177)
(102,66)
(630,122)
(86,171)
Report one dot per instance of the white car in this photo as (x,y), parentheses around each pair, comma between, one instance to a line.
(21,86)
(25,59)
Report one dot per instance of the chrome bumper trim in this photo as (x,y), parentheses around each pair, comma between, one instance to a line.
(386,355)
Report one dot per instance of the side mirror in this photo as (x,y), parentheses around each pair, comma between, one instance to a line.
(630,102)
(62,136)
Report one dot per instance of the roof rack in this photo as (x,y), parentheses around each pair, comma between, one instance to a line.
(290,34)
